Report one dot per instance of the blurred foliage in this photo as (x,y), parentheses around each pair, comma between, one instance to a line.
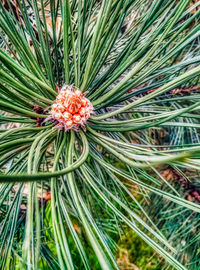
(137,252)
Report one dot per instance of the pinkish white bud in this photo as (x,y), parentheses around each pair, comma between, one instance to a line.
(76,118)
(71,109)
(67,115)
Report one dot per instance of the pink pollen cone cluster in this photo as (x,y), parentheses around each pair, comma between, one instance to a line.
(71,109)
